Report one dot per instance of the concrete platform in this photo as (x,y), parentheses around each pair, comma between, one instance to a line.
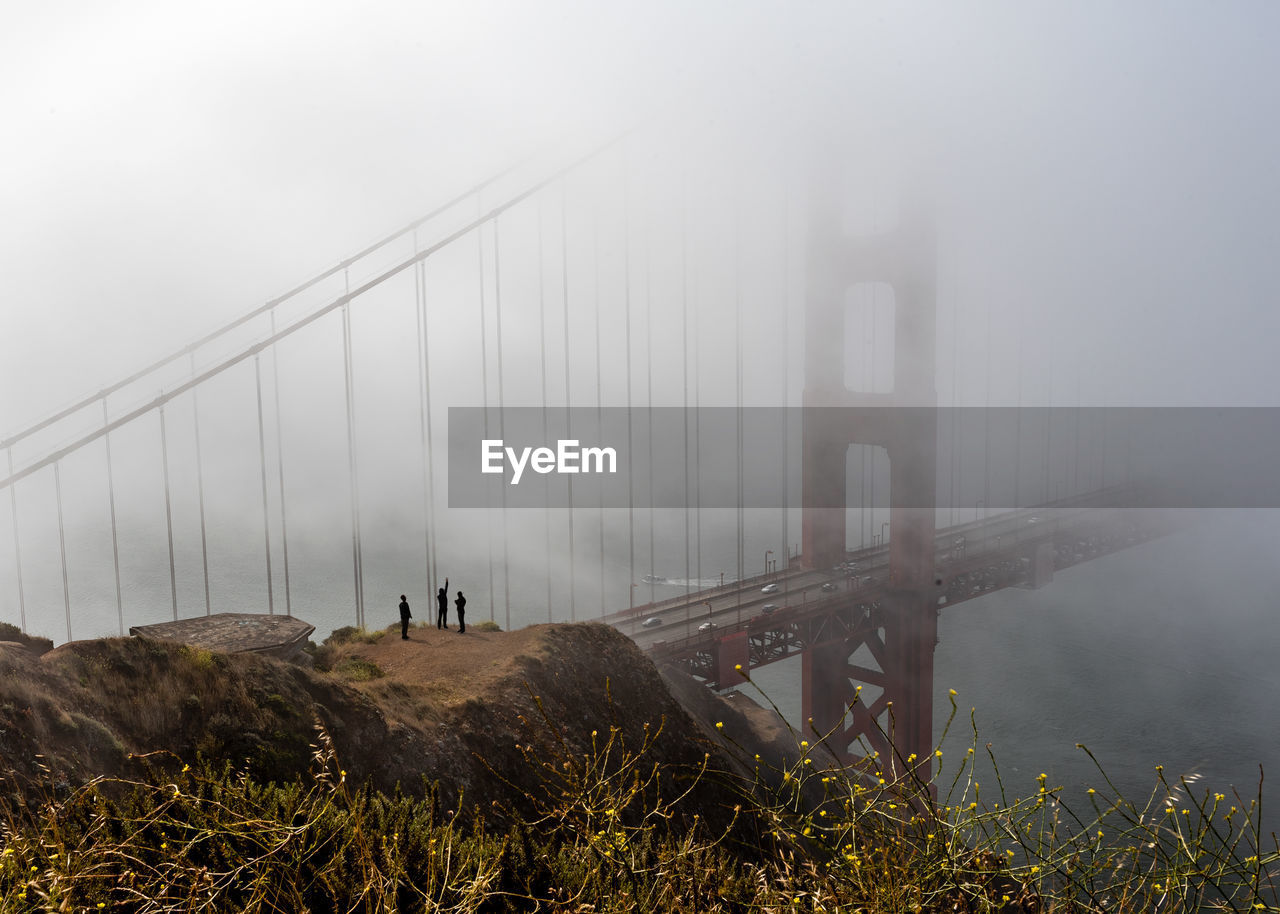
(231,633)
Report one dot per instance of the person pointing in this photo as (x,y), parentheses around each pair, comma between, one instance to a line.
(442,599)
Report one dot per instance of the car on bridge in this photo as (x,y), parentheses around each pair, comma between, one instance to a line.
(706,626)
(769,588)
(829,587)
(768,608)
(651,622)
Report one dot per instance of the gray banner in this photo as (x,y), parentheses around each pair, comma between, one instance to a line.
(917,457)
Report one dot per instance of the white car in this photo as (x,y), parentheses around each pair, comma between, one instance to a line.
(706,626)
(769,588)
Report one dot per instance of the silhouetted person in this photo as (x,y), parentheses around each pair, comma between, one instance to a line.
(405,615)
(461,603)
(442,598)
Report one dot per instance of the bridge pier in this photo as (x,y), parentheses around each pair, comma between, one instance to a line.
(902,631)
(897,724)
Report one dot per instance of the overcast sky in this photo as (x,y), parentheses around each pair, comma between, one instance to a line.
(1111,169)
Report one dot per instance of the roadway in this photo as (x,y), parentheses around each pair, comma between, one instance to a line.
(969,559)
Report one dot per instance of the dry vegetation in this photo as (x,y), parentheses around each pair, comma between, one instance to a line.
(564,785)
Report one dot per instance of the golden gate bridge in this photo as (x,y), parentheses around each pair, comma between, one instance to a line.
(628,278)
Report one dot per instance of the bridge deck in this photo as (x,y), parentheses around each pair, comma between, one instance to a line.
(970,560)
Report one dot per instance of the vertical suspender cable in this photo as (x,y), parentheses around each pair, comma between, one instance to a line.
(568,389)
(868,380)
(872,380)
(874,386)
(62,545)
(115,537)
(737,345)
(862,449)
(168,513)
(955,393)
(986,439)
(648,361)
(349,383)
(786,367)
(1075,413)
(1048,442)
(626,309)
(542,374)
(262,463)
(599,402)
(697,430)
(1017,440)
(204,536)
(419,309)
(284,515)
(484,394)
(428,468)
(684,367)
(17,545)
(497,326)
(1103,444)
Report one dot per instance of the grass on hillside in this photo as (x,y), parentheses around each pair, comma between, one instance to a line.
(602,838)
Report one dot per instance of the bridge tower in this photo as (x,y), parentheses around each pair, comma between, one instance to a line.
(901,635)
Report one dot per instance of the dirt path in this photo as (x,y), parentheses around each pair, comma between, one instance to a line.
(449,666)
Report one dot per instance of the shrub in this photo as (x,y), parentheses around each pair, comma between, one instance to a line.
(10,632)
(351,634)
(359,670)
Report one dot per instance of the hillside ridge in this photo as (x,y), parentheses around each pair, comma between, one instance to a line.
(460,714)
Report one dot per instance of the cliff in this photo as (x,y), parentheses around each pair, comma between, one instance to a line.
(480,716)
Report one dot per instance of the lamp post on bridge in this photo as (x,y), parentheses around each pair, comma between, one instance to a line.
(883,538)
(767,553)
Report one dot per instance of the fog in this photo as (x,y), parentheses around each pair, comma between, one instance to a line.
(1101,182)
(1104,177)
